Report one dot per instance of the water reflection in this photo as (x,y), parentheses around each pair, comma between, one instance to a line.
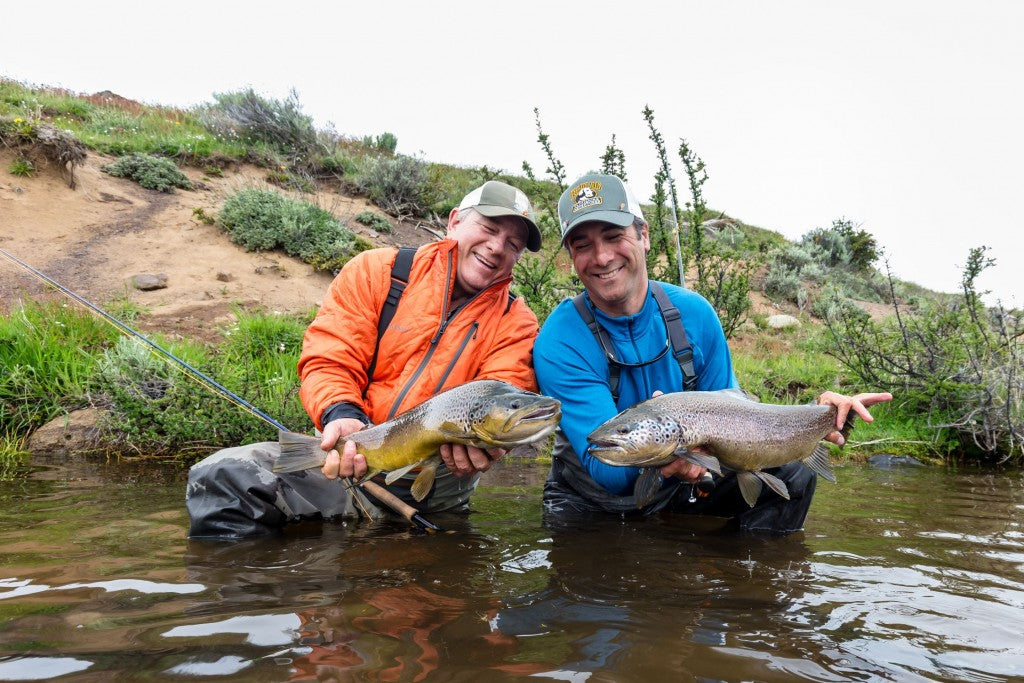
(899,576)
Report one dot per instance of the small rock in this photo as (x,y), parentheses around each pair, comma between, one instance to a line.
(781,320)
(148,281)
(886,461)
(77,431)
(225,277)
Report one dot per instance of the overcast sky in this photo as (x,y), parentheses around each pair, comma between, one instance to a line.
(904,117)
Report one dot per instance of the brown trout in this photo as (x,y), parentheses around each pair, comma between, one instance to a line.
(481,413)
(729,431)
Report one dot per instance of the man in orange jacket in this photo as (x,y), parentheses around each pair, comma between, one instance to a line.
(455,322)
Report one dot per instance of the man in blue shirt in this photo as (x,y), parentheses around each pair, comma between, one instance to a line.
(606,235)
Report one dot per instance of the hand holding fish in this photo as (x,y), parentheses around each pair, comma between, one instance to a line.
(349,463)
(684,470)
(462,460)
(844,404)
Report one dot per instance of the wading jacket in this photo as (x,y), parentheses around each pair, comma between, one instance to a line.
(572,368)
(428,347)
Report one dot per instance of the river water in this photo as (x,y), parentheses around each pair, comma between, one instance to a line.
(904,574)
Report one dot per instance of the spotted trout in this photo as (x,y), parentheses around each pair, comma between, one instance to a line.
(726,430)
(481,413)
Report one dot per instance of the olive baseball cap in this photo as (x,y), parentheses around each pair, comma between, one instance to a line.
(495,198)
(597,197)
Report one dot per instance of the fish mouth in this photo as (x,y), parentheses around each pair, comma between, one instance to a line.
(605,444)
(525,425)
(551,411)
(609,452)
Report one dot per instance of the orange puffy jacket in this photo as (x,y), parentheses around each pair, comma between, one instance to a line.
(420,353)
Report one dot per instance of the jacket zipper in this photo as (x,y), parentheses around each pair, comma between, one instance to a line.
(458,353)
(446,318)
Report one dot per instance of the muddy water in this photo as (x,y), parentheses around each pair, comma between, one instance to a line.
(911,574)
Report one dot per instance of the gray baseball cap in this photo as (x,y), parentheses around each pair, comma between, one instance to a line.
(597,197)
(495,198)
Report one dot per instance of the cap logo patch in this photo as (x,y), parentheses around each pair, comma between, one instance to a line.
(586,195)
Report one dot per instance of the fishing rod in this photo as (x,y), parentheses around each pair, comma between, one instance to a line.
(378,492)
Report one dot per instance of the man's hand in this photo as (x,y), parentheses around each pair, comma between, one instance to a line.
(349,463)
(681,469)
(464,460)
(858,404)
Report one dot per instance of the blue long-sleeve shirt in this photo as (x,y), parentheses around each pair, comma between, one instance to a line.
(571,367)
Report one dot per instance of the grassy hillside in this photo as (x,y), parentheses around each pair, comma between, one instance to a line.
(943,357)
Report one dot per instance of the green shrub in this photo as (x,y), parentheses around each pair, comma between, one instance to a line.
(385,142)
(953,362)
(153,173)
(250,117)
(253,218)
(260,220)
(22,168)
(844,244)
(374,220)
(396,184)
(338,163)
(158,410)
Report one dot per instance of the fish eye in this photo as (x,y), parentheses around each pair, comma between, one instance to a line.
(623,430)
(516,404)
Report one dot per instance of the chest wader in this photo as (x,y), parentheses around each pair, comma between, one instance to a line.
(566,466)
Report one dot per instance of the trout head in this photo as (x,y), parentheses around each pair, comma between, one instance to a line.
(638,438)
(502,416)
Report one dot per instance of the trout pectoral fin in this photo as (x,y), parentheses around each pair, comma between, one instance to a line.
(708,462)
(647,486)
(425,480)
(750,486)
(774,483)
(819,462)
(394,475)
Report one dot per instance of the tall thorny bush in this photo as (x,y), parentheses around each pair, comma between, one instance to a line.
(955,362)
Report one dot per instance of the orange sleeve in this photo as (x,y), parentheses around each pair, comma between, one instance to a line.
(339,343)
(510,358)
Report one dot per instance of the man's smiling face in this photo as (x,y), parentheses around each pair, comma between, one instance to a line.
(611,261)
(488,249)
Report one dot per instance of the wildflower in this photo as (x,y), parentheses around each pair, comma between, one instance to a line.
(17,119)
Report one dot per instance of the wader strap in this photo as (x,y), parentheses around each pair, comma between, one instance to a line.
(399,279)
(603,341)
(681,349)
(677,335)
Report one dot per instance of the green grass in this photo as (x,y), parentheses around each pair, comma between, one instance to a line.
(135,129)
(56,358)
(783,366)
(47,355)
(22,168)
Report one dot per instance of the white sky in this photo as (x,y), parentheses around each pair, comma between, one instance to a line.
(905,117)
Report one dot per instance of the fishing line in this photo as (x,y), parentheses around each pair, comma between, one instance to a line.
(189,371)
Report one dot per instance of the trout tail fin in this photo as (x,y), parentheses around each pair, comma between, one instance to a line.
(298,452)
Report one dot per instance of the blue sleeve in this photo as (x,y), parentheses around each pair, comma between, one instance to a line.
(571,368)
